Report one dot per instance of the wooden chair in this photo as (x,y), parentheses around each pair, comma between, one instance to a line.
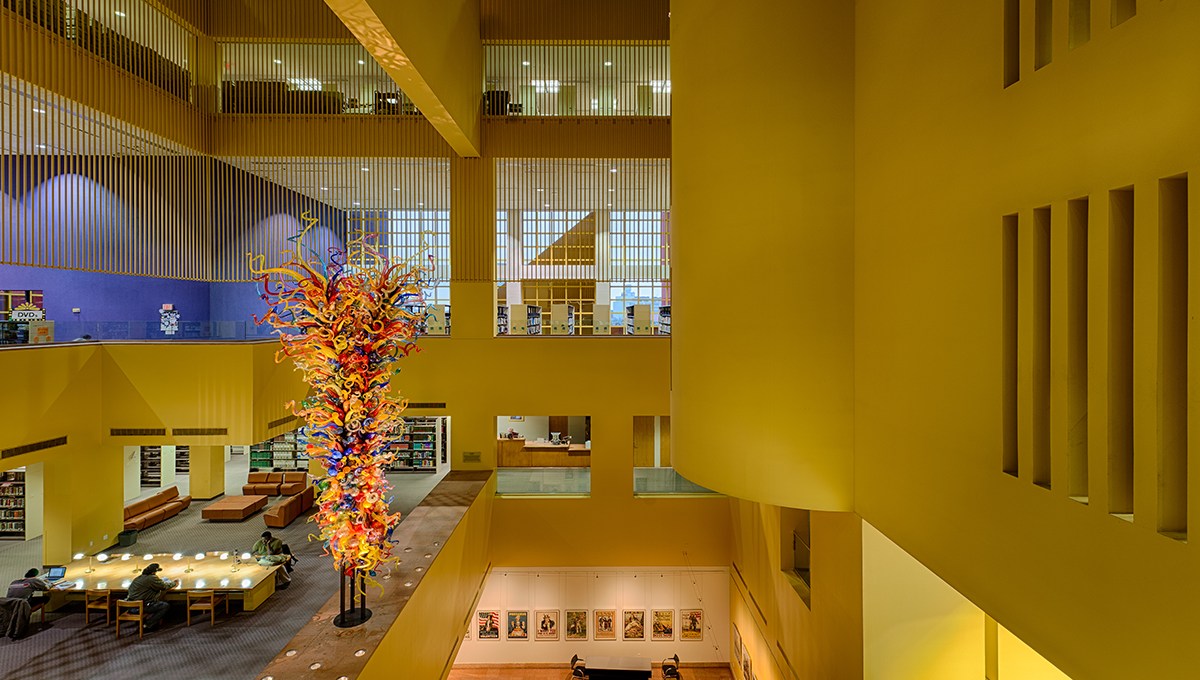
(131,610)
(205,600)
(40,607)
(96,599)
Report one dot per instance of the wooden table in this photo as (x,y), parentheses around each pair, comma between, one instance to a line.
(233,508)
(606,667)
(253,582)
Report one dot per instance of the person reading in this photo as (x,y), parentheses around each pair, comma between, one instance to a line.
(149,588)
(269,550)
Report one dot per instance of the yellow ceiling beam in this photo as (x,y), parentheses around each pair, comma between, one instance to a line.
(431,48)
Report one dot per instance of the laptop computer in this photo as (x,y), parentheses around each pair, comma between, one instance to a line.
(55,574)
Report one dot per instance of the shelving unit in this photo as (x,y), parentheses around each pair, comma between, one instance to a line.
(562,319)
(638,320)
(435,319)
(421,445)
(525,320)
(501,319)
(182,459)
(664,320)
(286,452)
(151,465)
(12,505)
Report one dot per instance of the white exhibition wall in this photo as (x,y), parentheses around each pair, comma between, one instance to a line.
(631,588)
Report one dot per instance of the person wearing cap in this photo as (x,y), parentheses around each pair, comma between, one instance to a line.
(149,589)
(24,588)
(269,550)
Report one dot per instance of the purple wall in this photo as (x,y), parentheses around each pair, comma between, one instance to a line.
(106,301)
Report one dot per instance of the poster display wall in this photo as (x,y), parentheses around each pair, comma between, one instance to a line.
(545,615)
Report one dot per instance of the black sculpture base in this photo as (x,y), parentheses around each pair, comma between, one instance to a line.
(352,618)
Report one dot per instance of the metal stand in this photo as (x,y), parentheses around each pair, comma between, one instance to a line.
(355,615)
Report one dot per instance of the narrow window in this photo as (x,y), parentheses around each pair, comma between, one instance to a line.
(1122,11)
(1079,29)
(1008,324)
(1120,353)
(1043,33)
(1012,41)
(1077,349)
(1173,338)
(1040,349)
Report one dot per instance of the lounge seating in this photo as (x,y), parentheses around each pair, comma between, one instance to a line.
(150,511)
(282,514)
(275,483)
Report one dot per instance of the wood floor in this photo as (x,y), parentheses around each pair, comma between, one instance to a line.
(516,673)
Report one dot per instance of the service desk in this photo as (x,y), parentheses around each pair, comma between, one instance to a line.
(252,582)
(523,453)
(618,667)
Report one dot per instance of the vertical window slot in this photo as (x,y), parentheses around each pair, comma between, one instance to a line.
(1122,11)
(1040,348)
(1012,41)
(1009,279)
(1079,29)
(1120,353)
(1173,344)
(1043,33)
(1077,349)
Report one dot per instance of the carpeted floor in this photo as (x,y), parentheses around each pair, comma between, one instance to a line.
(237,647)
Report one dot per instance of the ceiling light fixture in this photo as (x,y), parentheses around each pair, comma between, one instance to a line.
(524,63)
(361,62)
(324,188)
(612,169)
(356,203)
(277,61)
(119,13)
(366,169)
(39,110)
(608,63)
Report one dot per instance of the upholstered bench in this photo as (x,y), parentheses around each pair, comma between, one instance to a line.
(233,508)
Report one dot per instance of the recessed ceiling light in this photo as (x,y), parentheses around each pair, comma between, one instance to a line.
(39,110)
(610,205)
(278,61)
(324,188)
(366,169)
(420,203)
(360,61)
(120,13)
(357,203)
(395,188)
(612,169)
(41,146)
(539,191)
(547,205)
(611,190)
(524,63)
(608,63)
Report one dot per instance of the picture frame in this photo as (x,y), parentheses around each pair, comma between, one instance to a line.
(662,624)
(545,624)
(747,668)
(633,624)
(487,625)
(518,625)
(576,627)
(737,643)
(691,624)
(606,624)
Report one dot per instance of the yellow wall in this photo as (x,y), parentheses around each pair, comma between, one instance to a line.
(943,151)
(781,633)
(424,639)
(762,204)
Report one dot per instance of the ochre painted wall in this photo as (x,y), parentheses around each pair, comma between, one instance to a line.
(781,633)
(943,151)
(762,237)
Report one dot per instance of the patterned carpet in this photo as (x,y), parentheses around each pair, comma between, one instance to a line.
(237,647)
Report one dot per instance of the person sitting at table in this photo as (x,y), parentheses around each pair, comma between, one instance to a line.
(270,550)
(149,589)
(24,588)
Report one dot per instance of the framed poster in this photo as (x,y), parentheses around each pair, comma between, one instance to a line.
(488,625)
(691,624)
(518,625)
(606,628)
(662,623)
(737,643)
(633,624)
(545,624)
(577,624)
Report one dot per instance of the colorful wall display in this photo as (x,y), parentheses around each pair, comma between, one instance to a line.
(345,325)
(21,305)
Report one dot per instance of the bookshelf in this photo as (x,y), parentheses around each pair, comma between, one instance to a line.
(664,320)
(287,451)
(501,319)
(638,320)
(435,319)
(421,446)
(12,505)
(562,319)
(182,459)
(525,320)
(151,465)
